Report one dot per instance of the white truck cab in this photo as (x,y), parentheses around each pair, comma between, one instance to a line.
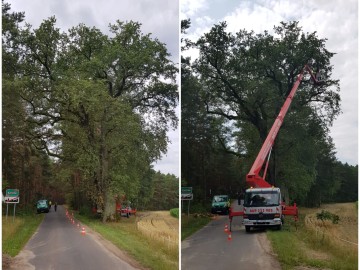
(262,208)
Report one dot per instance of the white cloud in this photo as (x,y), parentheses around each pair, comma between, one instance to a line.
(189,8)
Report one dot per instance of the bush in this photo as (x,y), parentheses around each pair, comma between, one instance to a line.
(326,215)
(85,210)
(198,208)
(174,212)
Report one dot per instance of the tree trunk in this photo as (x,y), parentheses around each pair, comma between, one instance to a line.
(109,208)
(109,199)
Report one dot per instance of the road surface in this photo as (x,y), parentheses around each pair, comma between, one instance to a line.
(209,248)
(58,244)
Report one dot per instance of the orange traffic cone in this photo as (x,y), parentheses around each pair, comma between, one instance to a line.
(229,237)
(78,225)
(226,229)
(83,231)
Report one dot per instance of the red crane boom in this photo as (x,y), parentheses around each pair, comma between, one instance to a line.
(253,178)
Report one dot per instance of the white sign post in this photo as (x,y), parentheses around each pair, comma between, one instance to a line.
(187,195)
(12,196)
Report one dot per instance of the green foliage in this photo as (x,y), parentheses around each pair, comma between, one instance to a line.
(197,207)
(347,176)
(85,210)
(165,194)
(231,95)
(326,215)
(100,104)
(174,212)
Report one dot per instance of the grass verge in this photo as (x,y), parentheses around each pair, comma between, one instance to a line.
(191,224)
(124,234)
(302,246)
(15,234)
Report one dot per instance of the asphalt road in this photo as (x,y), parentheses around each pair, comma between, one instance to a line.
(58,244)
(209,248)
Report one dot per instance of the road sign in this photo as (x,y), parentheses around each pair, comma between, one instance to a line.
(12,196)
(186,190)
(187,196)
(12,193)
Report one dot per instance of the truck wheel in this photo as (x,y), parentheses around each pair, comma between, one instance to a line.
(278,227)
(247,228)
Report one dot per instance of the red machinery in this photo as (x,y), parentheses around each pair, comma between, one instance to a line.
(268,214)
(125,210)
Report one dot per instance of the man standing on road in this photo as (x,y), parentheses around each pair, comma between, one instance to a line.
(55,206)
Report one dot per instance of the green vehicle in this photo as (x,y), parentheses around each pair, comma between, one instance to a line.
(42,206)
(220,204)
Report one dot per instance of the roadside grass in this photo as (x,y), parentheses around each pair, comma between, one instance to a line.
(15,234)
(125,235)
(192,223)
(306,245)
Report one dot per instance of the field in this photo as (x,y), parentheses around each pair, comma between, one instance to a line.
(319,244)
(343,235)
(160,226)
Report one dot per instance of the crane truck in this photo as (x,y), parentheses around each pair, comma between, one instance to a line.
(263,206)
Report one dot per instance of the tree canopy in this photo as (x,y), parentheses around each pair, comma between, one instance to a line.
(99,105)
(233,92)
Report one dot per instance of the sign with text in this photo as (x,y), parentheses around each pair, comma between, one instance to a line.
(12,196)
(186,193)
(186,190)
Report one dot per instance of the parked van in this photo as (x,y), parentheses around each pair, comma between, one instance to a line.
(220,204)
(42,206)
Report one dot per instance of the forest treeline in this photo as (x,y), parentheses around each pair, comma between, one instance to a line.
(231,94)
(86,114)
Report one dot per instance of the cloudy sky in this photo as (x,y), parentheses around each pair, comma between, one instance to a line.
(160,17)
(335,20)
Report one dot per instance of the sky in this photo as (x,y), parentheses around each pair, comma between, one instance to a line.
(160,18)
(336,20)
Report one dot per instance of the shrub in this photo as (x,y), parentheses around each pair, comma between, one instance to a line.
(174,212)
(326,215)
(85,210)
